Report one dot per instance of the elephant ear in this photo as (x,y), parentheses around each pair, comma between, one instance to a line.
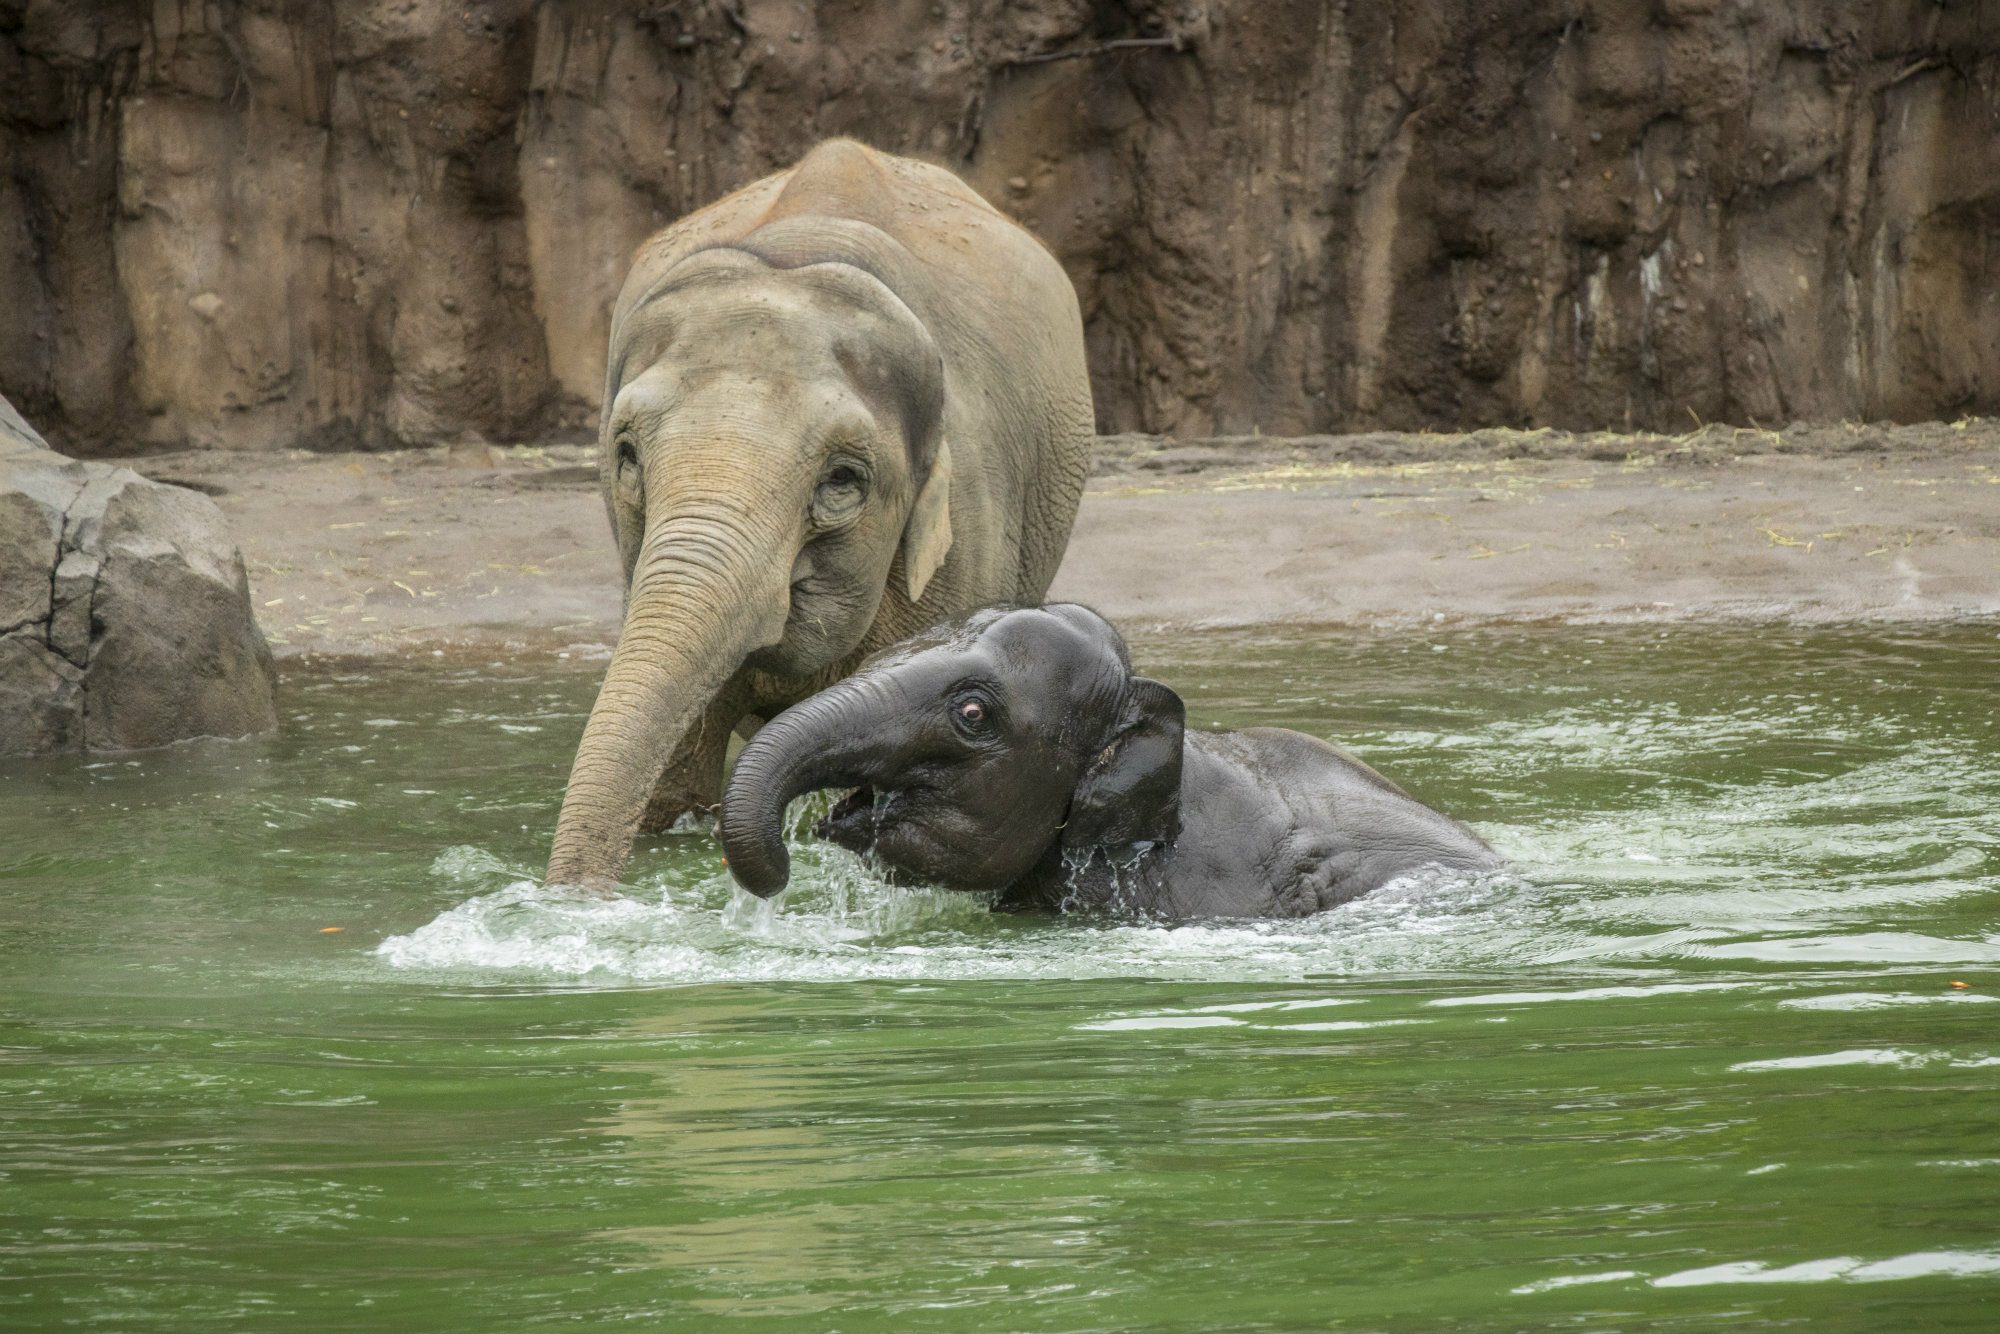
(1131,793)
(927,536)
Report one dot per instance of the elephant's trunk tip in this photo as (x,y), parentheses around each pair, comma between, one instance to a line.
(773,769)
(803,749)
(756,860)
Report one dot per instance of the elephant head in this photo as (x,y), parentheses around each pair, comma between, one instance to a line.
(975,750)
(771,452)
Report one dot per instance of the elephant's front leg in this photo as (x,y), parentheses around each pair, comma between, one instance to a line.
(693,777)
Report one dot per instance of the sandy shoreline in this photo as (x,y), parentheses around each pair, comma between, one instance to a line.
(477,547)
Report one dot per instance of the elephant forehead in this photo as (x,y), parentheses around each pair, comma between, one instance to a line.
(772,344)
(1035,631)
(1014,641)
(1012,645)
(749,327)
(654,402)
(705,292)
(1054,651)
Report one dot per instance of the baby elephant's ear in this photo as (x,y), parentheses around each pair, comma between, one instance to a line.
(1131,793)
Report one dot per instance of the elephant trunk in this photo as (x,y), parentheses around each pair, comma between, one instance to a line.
(707,590)
(838,738)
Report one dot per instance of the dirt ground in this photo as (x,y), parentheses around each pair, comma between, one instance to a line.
(482,547)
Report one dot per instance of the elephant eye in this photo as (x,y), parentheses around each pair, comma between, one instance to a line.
(970,714)
(837,499)
(628,465)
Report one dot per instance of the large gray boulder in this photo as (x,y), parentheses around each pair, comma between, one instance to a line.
(125,616)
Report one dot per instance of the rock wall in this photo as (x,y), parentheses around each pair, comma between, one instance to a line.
(271,223)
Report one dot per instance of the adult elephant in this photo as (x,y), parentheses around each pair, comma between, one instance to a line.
(841,404)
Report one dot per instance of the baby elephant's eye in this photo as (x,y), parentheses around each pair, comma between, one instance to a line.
(972,713)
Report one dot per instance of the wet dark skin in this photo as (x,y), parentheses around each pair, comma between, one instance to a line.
(1015,751)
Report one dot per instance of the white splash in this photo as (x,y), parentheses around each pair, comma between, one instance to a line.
(1896,1056)
(1840,1268)
(838,922)
(1573,1280)
(1884,1000)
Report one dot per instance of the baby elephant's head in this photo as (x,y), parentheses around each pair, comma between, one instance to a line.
(972,749)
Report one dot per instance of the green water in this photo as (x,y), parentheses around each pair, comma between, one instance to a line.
(1696,1062)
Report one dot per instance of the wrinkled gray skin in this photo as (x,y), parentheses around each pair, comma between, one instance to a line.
(842,404)
(1015,751)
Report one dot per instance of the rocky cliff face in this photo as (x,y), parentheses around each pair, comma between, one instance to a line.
(266,223)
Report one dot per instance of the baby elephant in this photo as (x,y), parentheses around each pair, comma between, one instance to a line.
(1014,750)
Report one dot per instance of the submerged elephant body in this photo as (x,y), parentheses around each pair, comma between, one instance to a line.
(1015,751)
(841,404)
(1274,823)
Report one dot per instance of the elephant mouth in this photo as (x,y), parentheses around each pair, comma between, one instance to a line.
(856,819)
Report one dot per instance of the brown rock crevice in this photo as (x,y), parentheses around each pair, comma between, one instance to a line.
(254,224)
(71,567)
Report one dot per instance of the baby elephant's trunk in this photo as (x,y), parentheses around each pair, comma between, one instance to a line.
(823,742)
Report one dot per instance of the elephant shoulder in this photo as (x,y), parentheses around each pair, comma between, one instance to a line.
(1350,828)
(1287,754)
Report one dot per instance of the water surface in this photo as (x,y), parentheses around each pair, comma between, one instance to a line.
(1699,1059)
